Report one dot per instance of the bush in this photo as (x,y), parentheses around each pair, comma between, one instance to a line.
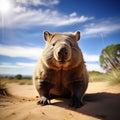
(113,77)
(18,77)
(95,76)
(110,57)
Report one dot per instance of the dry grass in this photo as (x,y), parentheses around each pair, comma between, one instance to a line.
(95,76)
(3,89)
(6,80)
(24,81)
(113,77)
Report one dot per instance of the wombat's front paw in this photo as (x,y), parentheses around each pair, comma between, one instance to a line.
(43,101)
(75,102)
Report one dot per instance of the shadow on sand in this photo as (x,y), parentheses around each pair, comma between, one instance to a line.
(104,106)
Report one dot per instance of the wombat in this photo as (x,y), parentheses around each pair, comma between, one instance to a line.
(61,69)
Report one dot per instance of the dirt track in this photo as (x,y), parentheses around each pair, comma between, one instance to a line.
(102,103)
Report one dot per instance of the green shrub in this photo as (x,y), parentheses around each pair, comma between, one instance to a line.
(113,77)
(18,77)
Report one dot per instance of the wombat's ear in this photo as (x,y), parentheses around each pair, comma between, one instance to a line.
(77,35)
(47,35)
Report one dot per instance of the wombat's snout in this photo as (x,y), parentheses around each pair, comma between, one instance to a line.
(62,54)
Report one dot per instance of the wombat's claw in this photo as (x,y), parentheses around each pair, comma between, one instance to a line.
(76,102)
(43,101)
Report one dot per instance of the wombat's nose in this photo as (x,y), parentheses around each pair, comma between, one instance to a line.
(62,53)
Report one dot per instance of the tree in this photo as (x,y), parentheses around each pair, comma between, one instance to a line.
(18,76)
(110,57)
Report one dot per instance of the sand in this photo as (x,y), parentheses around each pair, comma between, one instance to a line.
(102,102)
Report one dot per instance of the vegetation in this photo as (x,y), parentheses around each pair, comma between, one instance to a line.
(24,80)
(3,89)
(18,76)
(8,79)
(113,77)
(110,57)
(95,76)
(110,61)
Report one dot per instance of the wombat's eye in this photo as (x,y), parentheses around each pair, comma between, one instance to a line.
(53,44)
(71,45)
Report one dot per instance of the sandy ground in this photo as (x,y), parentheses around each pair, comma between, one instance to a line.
(102,102)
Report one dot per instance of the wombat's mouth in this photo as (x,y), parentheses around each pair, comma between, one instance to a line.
(62,61)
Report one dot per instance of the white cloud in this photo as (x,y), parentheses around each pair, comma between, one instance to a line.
(18,51)
(73,20)
(17,65)
(8,65)
(91,58)
(22,64)
(73,14)
(37,2)
(103,27)
(25,17)
(92,62)
(19,9)
(17,68)
(94,67)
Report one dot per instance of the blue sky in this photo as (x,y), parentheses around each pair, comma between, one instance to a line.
(22,27)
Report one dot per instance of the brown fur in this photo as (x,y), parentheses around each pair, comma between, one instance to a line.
(61,70)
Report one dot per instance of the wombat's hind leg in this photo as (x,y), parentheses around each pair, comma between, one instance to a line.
(76,102)
(77,91)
